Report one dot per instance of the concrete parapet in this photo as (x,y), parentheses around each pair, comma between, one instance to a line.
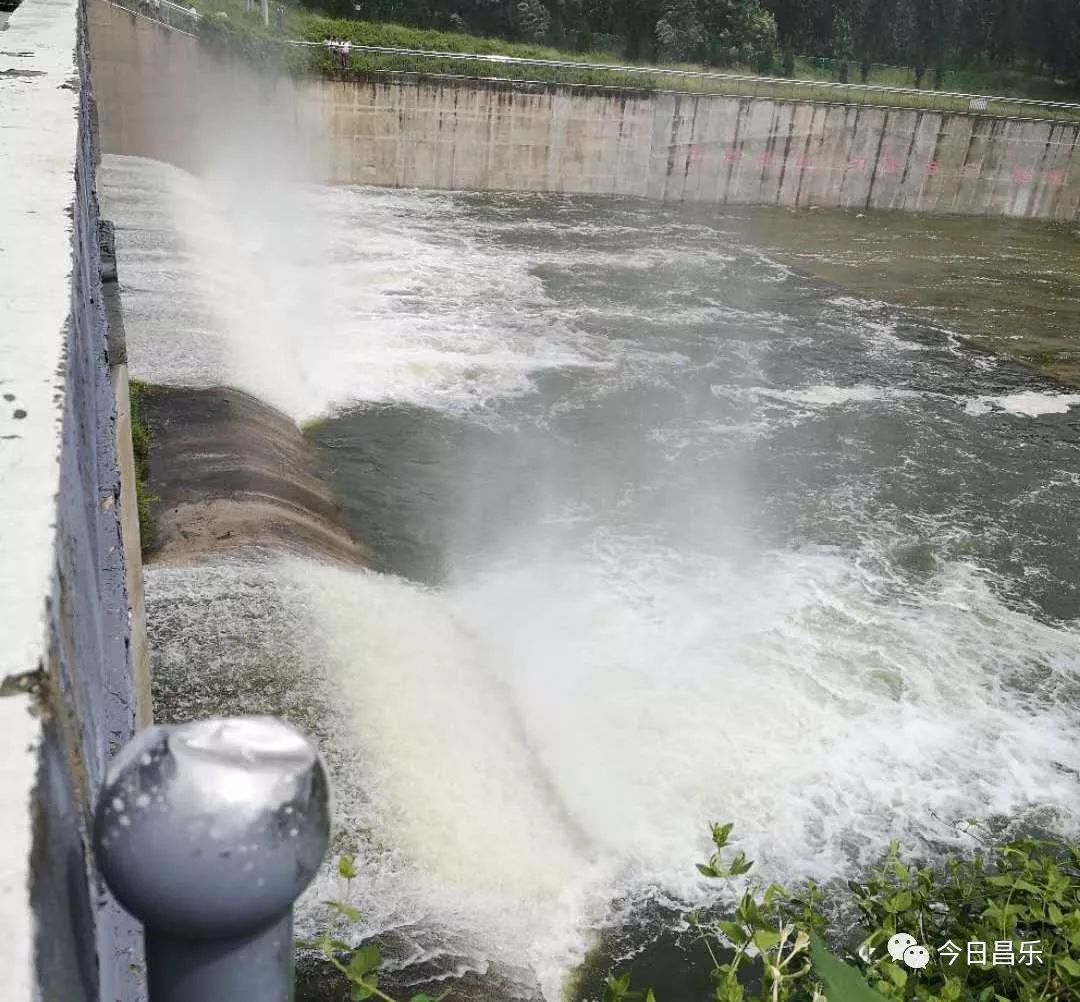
(68,698)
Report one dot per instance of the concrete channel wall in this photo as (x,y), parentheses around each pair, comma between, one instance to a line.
(68,539)
(165,96)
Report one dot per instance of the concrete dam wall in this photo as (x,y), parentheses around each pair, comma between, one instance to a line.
(165,96)
(72,673)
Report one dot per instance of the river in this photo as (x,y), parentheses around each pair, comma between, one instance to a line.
(679,515)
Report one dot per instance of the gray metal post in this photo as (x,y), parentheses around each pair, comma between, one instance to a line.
(207,833)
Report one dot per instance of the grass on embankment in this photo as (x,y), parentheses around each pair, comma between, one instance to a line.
(140,444)
(1001,81)
(243,31)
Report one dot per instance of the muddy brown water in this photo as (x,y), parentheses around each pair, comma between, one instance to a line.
(1009,286)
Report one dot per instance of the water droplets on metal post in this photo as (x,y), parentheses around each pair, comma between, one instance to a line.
(207,833)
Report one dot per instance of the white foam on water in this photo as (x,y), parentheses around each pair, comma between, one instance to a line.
(817,397)
(558,731)
(524,746)
(314,299)
(1030,403)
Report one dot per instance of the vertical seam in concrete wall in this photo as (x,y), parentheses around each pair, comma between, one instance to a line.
(973,135)
(877,159)
(770,148)
(736,147)
(690,148)
(993,158)
(806,154)
(787,151)
(1072,160)
(910,150)
(455,125)
(850,151)
(1041,171)
(672,146)
(933,181)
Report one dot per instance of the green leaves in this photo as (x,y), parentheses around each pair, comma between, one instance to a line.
(766,939)
(345,910)
(1021,899)
(899,902)
(359,970)
(740,865)
(363,961)
(1068,967)
(734,932)
(617,989)
(715,868)
(720,834)
(842,983)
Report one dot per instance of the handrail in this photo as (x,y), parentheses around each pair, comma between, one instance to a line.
(857,93)
(700,74)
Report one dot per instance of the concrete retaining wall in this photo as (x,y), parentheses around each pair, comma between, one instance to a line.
(67,697)
(684,148)
(164,96)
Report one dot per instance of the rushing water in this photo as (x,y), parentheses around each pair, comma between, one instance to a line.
(669,533)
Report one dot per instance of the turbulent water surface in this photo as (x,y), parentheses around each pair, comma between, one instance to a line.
(668,533)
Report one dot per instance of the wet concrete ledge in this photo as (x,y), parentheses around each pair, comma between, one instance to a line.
(233,474)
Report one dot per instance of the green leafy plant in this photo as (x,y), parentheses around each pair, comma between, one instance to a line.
(1023,894)
(358,965)
(1014,899)
(841,982)
(769,927)
(768,946)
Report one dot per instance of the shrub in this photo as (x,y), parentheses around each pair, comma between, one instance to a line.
(1022,894)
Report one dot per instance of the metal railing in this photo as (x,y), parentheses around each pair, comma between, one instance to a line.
(164,12)
(207,833)
(386,60)
(731,84)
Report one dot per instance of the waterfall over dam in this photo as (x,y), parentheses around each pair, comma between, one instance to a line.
(617,524)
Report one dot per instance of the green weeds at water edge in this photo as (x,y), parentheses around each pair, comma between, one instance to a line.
(140,444)
(1018,900)
(1009,898)
(357,966)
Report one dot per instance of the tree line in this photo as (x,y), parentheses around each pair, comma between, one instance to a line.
(1039,37)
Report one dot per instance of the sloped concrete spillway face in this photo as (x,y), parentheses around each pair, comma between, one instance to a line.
(231,473)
